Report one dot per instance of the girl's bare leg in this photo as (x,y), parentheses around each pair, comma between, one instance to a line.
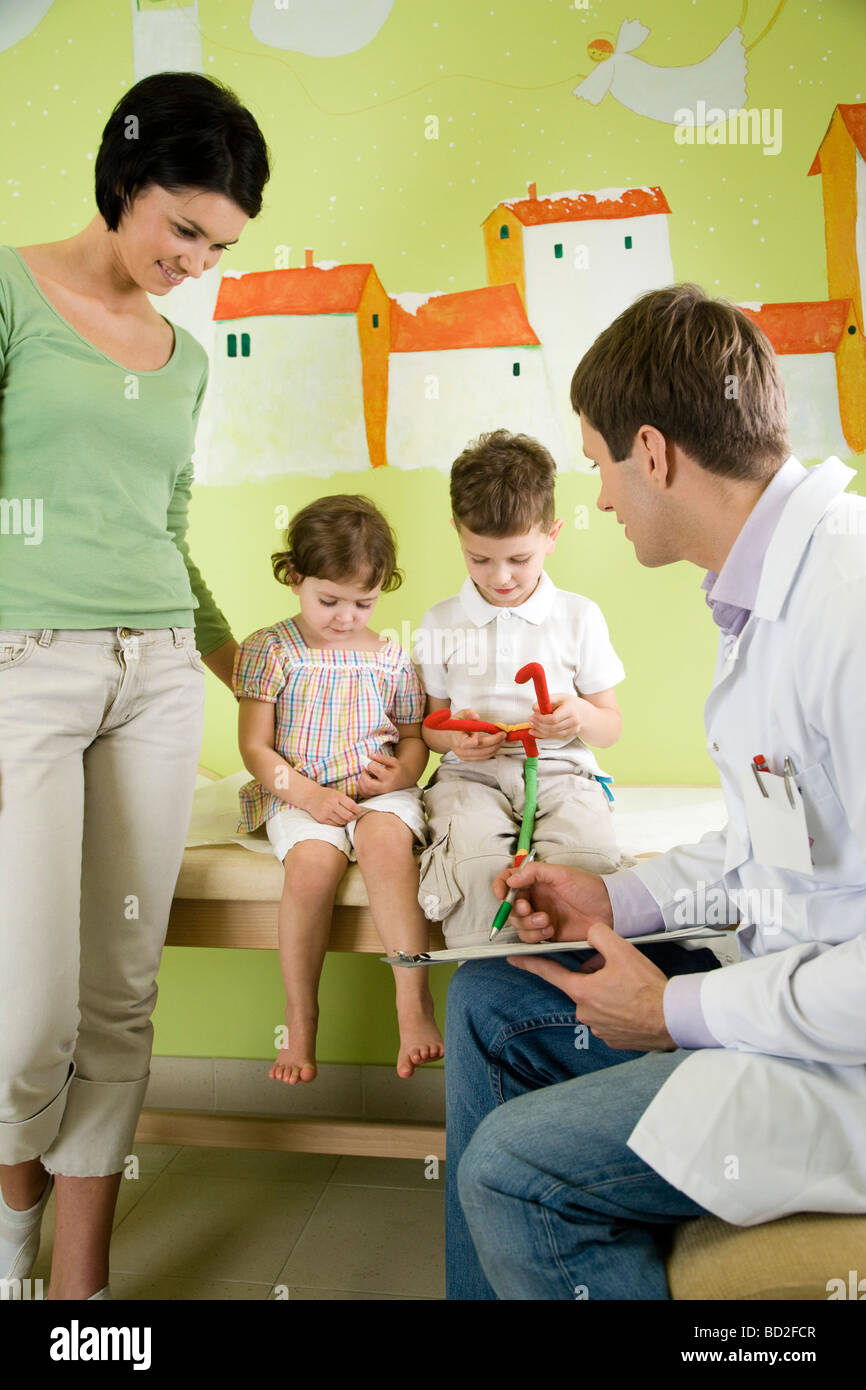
(383,845)
(313,869)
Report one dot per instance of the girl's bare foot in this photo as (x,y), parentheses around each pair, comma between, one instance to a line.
(297,1061)
(420,1039)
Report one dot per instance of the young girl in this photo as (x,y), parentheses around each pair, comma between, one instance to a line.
(330,729)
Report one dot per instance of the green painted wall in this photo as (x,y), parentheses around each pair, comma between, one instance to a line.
(355,177)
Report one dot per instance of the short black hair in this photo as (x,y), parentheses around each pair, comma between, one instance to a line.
(180,130)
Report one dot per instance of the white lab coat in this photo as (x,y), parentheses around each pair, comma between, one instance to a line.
(774,1121)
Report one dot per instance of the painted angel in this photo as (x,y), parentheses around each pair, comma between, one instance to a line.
(718,81)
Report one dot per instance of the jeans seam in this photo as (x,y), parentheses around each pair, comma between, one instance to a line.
(559,1020)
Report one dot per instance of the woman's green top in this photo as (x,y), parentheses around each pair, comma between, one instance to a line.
(95,477)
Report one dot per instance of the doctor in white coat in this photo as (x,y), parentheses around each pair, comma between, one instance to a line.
(740,1090)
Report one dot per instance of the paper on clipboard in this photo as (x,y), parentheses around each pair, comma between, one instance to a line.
(489,950)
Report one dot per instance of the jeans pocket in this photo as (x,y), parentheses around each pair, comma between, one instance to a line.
(194,655)
(14,651)
(438,889)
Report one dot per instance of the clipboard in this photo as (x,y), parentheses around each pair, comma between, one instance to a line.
(493,949)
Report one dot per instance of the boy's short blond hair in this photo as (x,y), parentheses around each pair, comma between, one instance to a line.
(503,485)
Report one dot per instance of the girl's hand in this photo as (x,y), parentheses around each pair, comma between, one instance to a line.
(329,806)
(382,774)
(474,748)
(565,721)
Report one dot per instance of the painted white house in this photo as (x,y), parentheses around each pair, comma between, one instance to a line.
(299,374)
(578,259)
(817,351)
(462,364)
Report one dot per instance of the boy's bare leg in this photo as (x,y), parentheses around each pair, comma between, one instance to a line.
(313,869)
(383,845)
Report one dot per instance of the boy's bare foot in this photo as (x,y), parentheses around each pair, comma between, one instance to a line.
(297,1062)
(420,1039)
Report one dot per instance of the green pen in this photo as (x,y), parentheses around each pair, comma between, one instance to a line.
(507,903)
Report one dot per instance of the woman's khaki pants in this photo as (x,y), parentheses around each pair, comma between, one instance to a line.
(100,731)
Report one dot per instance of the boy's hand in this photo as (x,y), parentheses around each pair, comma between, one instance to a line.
(382,774)
(329,806)
(474,748)
(565,721)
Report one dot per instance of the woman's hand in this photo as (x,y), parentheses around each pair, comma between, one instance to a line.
(555,902)
(474,748)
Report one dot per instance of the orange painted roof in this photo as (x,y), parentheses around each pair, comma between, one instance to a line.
(582,207)
(490,317)
(302,291)
(802,327)
(855,123)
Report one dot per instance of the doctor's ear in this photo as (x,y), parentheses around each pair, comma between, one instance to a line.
(653,452)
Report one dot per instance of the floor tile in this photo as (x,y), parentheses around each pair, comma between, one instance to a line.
(355,1171)
(243,1164)
(216,1228)
(372,1240)
(170,1288)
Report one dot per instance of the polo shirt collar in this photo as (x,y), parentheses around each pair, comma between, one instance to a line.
(535,610)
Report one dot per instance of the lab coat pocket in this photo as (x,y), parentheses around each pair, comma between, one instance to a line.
(832,841)
(438,890)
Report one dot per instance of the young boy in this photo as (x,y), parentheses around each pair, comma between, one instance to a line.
(468,651)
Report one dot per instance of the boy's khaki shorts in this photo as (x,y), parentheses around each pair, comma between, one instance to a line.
(474,812)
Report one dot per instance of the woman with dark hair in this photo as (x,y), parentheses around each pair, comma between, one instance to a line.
(104,624)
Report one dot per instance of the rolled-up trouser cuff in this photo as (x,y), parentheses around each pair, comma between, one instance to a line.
(21,1140)
(100,1122)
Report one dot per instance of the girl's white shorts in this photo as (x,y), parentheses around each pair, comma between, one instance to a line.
(291,825)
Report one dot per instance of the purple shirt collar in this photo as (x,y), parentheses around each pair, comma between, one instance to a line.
(731,593)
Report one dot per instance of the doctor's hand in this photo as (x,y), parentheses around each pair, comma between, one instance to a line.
(619,997)
(555,902)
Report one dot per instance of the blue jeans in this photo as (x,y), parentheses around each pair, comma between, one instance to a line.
(557,1205)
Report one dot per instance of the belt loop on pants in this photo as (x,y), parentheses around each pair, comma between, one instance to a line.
(45,636)
(178,640)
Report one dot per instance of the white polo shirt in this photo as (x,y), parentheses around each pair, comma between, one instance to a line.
(468,651)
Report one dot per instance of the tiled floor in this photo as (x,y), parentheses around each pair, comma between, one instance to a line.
(230,1224)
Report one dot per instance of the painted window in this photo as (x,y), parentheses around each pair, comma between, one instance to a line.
(232,344)
(557,250)
(628,243)
(515,370)
(375,320)
(504,233)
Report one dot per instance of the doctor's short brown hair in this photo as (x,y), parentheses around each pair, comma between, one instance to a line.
(503,485)
(696,368)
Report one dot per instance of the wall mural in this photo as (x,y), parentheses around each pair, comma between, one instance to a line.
(326,355)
